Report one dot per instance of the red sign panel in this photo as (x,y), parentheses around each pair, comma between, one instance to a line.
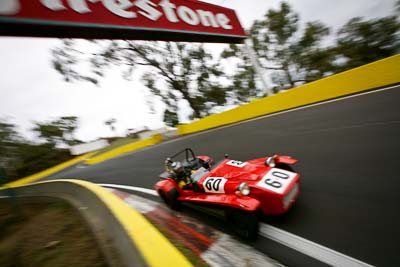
(177,20)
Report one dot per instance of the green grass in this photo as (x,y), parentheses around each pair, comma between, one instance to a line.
(50,233)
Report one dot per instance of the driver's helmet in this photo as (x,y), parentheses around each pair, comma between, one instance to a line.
(177,167)
(174,167)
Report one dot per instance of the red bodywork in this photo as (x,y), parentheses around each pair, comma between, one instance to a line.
(272,190)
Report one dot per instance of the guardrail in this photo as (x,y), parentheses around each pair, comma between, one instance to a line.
(113,222)
(374,75)
(155,139)
(49,171)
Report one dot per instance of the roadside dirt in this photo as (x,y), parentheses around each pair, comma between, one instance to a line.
(45,232)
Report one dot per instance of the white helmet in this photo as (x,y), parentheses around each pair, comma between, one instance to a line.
(177,167)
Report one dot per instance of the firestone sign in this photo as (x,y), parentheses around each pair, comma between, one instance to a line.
(176,20)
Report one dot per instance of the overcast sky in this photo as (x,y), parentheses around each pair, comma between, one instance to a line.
(30,90)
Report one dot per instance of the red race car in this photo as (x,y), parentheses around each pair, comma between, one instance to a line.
(245,190)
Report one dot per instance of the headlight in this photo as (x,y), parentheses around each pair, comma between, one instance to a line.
(270,162)
(244,189)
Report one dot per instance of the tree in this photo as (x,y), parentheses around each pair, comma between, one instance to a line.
(9,140)
(170,118)
(33,158)
(8,133)
(243,87)
(171,71)
(311,60)
(59,131)
(64,60)
(49,132)
(363,41)
(293,58)
(20,157)
(68,125)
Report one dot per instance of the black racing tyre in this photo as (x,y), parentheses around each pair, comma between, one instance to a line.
(285,167)
(171,198)
(244,224)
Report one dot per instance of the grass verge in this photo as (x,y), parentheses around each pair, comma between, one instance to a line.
(45,232)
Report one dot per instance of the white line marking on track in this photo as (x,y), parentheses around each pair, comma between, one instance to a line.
(292,241)
(309,248)
(132,188)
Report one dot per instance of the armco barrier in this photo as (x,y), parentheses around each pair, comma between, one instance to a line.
(155,139)
(374,75)
(114,223)
(50,171)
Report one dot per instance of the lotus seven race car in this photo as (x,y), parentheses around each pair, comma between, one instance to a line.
(244,190)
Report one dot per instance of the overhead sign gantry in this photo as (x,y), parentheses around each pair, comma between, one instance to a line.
(168,20)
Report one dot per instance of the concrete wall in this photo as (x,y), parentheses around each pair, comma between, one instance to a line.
(113,222)
(88,147)
(377,74)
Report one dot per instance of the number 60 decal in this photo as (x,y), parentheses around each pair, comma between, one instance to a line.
(276,180)
(214,185)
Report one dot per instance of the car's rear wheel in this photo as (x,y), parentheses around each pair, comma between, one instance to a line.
(171,198)
(244,224)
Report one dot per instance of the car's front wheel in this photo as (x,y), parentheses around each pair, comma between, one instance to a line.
(170,198)
(243,223)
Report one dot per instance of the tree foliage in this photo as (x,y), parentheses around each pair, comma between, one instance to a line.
(363,41)
(292,54)
(9,139)
(59,131)
(20,157)
(8,134)
(243,87)
(64,60)
(171,118)
(171,71)
(293,57)
(33,158)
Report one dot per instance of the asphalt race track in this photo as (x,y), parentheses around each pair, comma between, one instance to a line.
(349,161)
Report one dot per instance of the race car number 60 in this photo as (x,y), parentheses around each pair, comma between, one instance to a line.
(276,180)
(214,184)
(275,183)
